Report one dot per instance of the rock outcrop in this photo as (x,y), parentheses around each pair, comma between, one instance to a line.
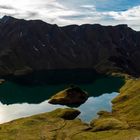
(2,81)
(71,96)
(125,111)
(28,46)
(66,114)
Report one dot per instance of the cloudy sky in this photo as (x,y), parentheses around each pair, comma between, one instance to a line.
(64,12)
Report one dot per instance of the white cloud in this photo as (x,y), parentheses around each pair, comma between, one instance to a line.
(63,13)
(130,14)
(15,111)
(130,17)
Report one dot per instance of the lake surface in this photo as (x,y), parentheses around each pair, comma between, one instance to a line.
(19,100)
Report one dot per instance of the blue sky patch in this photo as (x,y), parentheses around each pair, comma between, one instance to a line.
(105,12)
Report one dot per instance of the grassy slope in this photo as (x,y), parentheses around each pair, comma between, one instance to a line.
(123,123)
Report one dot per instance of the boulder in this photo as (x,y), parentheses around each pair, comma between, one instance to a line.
(69,96)
(2,81)
(66,113)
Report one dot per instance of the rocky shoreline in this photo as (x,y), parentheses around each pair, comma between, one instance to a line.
(123,123)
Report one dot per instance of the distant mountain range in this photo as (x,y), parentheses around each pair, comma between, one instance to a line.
(27,46)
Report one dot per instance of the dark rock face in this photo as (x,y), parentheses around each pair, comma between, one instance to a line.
(70,96)
(35,45)
(67,113)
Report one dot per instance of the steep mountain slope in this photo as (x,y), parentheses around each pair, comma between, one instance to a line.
(34,45)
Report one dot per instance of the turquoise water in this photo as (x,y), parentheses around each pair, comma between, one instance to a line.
(17,100)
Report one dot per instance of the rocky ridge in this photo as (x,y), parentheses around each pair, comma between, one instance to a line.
(28,46)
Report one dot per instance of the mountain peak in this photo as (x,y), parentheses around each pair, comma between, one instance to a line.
(6,19)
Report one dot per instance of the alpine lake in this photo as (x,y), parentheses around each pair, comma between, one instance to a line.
(28,95)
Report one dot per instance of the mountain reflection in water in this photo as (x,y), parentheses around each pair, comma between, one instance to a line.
(20,100)
(88,110)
